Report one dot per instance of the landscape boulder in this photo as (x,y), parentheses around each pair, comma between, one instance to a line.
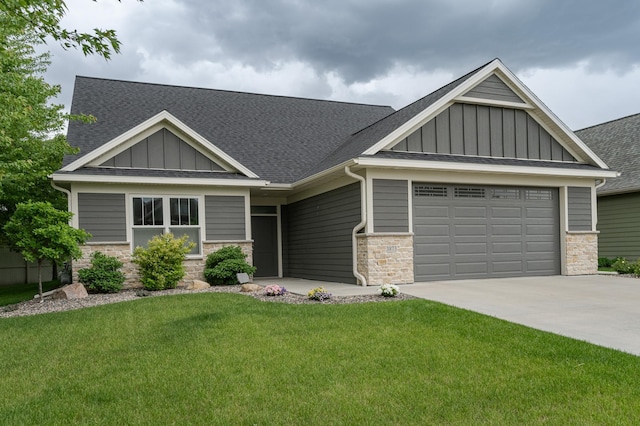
(71,291)
(198,285)
(249,288)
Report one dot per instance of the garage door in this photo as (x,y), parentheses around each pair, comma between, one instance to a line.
(465,231)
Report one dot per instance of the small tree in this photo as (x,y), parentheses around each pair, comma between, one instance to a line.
(39,231)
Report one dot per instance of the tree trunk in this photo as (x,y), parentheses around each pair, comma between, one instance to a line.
(40,279)
(54,270)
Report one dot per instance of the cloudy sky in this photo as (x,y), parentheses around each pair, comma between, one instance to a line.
(580,57)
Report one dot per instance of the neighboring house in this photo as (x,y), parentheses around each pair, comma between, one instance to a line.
(476,180)
(617,142)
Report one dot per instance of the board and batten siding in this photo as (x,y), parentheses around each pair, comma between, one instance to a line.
(319,243)
(103,216)
(579,208)
(478,130)
(494,88)
(390,205)
(224,217)
(619,226)
(162,150)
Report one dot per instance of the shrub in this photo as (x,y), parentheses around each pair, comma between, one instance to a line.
(274,290)
(223,266)
(104,275)
(388,290)
(161,263)
(319,294)
(622,266)
(604,262)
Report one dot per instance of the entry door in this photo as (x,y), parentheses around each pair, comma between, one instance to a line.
(265,245)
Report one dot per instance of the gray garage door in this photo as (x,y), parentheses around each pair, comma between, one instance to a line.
(465,231)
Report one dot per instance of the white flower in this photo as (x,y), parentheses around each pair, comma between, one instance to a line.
(388,290)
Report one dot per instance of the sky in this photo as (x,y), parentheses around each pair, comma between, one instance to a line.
(580,57)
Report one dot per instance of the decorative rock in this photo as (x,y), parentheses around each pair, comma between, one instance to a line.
(249,288)
(198,285)
(71,291)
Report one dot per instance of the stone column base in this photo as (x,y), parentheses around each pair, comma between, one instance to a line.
(386,258)
(582,253)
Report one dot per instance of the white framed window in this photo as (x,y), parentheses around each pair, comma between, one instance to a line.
(155,215)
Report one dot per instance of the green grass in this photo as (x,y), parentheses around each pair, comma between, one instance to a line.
(606,269)
(216,358)
(10,294)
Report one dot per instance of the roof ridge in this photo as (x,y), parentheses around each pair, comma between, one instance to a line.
(608,122)
(233,91)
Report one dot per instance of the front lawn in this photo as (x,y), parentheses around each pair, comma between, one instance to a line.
(10,294)
(216,358)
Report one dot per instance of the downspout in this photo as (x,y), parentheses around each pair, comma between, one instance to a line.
(66,191)
(359,226)
(601,184)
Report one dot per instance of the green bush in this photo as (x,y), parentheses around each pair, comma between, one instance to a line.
(223,265)
(605,262)
(161,263)
(104,275)
(623,266)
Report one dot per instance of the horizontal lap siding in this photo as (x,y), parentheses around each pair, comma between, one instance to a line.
(494,88)
(319,242)
(103,216)
(390,205)
(579,208)
(225,217)
(619,226)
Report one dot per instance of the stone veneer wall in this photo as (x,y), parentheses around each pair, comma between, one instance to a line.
(194,267)
(386,258)
(582,253)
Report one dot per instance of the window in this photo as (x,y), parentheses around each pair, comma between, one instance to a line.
(159,215)
(506,194)
(538,194)
(462,192)
(429,191)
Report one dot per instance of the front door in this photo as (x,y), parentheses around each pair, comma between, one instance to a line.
(265,245)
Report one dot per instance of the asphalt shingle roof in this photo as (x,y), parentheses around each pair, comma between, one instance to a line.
(278,138)
(617,142)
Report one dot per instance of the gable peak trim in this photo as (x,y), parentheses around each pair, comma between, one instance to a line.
(158,119)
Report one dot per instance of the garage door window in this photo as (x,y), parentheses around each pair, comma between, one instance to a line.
(506,194)
(429,191)
(468,192)
(539,194)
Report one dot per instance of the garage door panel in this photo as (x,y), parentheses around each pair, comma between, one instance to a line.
(481,232)
(504,248)
(510,267)
(471,248)
(472,212)
(501,229)
(506,212)
(469,230)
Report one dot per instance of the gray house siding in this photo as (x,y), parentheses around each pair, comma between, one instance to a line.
(579,208)
(494,88)
(319,242)
(479,130)
(390,205)
(618,225)
(103,216)
(162,150)
(224,217)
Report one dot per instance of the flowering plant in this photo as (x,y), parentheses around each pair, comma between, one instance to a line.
(274,290)
(319,294)
(388,290)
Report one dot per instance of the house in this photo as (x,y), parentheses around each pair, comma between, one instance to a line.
(618,143)
(475,180)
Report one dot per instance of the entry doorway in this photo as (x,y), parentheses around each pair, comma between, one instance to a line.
(264,229)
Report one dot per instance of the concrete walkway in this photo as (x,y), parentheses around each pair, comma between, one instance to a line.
(599,309)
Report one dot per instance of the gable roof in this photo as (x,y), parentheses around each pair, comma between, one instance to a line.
(277,138)
(617,142)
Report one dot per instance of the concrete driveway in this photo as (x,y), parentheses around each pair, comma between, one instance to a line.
(599,309)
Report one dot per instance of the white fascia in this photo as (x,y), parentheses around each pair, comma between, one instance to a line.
(160,180)
(157,119)
(482,168)
(532,103)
